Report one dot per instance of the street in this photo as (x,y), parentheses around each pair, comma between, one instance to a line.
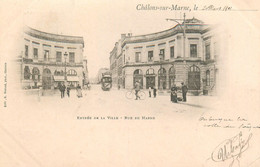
(104,127)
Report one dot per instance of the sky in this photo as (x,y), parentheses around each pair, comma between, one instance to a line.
(102,22)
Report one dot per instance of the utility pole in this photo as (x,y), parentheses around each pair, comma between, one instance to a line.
(184,33)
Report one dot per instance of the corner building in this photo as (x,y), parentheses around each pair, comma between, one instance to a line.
(51,59)
(166,58)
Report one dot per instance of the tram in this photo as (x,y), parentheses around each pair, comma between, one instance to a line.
(106,81)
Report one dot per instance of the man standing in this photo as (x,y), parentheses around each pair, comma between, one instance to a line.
(154,92)
(150,91)
(62,90)
(184,89)
(137,89)
(68,91)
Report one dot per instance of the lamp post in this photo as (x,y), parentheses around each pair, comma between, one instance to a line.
(161,59)
(184,32)
(65,76)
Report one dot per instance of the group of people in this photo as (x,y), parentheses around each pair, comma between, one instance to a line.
(174,89)
(63,88)
(137,88)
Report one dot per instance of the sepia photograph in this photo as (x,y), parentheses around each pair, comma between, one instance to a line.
(129,83)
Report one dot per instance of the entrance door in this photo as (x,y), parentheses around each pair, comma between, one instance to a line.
(162,82)
(139,79)
(194,78)
(150,82)
(46,79)
(171,81)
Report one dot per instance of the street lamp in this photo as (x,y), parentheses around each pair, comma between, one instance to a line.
(184,31)
(65,76)
(161,70)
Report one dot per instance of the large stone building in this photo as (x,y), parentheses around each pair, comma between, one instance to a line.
(170,57)
(48,60)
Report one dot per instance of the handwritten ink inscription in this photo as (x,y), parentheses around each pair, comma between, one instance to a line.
(231,148)
(227,123)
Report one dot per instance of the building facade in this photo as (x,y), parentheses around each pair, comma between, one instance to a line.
(171,57)
(48,60)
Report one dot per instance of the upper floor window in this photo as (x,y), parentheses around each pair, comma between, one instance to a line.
(137,57)
(172,51)
(208,52)
(162,54)
(58,57)
(72,57)
(35,53)
(72,73)
(193,50)
(46,55)
(26,51)
(150,56)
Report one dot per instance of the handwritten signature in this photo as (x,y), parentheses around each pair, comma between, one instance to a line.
(231,148)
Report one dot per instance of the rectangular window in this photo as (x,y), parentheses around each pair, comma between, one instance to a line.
(193,50)
(46,55)
(35,53)
(162,54)
(172,51)
(208,52)
(150,56)
(137,57)
(26,51)
(58,57)
(72,57)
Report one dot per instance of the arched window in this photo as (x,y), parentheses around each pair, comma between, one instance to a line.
(162,71)
(150,71)
(194,68)
(35,73)
(138,77)
(162,78)
(194,78)
(138,72)
(172,71)
(27,72)
(171,77)
(207,78)
(72,73)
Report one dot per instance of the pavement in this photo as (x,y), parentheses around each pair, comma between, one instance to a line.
(103,128)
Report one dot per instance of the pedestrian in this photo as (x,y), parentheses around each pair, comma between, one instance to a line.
(137,89)
(174,94)
(150,91)
(62,90)
(68,91)
(79,91)
(184,89)
(154,92)
(118,87)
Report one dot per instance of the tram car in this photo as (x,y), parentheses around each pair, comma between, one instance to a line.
(106,81)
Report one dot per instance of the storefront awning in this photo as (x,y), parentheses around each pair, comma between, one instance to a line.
(72,78)
(58,78)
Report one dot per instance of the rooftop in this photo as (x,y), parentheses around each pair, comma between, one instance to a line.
(53,37)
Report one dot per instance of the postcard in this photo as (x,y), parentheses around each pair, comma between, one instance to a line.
(129,83)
